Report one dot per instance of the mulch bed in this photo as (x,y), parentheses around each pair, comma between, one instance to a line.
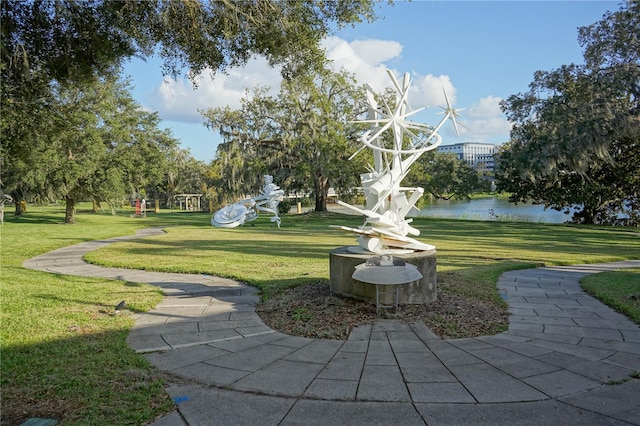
(310,311)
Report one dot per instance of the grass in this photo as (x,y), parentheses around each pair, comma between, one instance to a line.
(471,254)
(618,289)
(64,354)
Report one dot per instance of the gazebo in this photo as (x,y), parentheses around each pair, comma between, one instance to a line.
(188,201)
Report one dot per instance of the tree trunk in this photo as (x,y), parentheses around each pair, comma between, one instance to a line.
(70,210)
(20,205)
(586,216)
(321,189)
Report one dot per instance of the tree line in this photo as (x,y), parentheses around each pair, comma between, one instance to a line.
(71,129)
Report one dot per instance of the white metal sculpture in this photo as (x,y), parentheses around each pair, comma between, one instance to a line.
(386,229)
(246,210)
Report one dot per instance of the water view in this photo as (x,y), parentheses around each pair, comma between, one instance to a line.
(480,209)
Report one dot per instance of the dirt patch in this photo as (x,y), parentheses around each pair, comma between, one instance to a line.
(310,311)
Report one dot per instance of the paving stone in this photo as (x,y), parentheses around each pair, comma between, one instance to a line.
(471,344)
(360,332)
(148,343)
(210,375)
(423,332)
(449,355)
(523,326)
(391,325)
(626,360)
(596,370)
(292,341)
(334,413)
(205,407)
(382,383)
(252,359)
(207,325)
(617,401)
(177,358)
(344,365)
(344,390)
(423,367)
(402,336)
(547,321)
(170,328)
(399,346)
(598,333)
(561,383)
(439,392)
(524,349)
(190,339)
(378,336)
(488,384)
(536,336)
(355,346)
(318,351)
(633,348)
(380,353)
(539,413)
(523,312)
(582,351)
(567,313)
(283,377)
(253,331)
(516,365)
(558,301)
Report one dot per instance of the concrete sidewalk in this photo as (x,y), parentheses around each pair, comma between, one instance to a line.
(566,358)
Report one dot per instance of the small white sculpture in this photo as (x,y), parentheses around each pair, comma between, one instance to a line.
(386,230)
(4,198)
(246,210)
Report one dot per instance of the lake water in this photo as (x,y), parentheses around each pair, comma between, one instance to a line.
(478,209)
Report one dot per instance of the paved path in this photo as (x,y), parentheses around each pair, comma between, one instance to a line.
(566,358)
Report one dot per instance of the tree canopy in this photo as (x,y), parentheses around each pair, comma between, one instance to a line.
(52,49)
(94,142)
(444,176)
(71,40)
(576,134)
(302,137)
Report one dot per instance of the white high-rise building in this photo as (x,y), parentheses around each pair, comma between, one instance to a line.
(477,155)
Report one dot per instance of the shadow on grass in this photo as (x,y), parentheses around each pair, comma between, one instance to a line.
(108,309)
(92,378)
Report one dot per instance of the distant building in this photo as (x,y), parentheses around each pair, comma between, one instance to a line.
(477,155)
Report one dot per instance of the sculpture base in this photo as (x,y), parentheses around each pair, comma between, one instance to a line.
(342,264)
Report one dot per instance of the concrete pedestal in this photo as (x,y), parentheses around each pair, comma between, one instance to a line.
(342,265)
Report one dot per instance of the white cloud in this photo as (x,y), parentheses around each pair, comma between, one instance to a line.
(428,90)
(366,60)
(367,68)
(375,52)
(486,120)
(179,100)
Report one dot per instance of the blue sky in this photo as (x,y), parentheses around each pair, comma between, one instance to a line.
(480,52)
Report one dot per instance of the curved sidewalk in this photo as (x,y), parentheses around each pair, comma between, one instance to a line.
(565,359)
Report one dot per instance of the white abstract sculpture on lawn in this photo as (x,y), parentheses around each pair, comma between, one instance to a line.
(386,231)
(246,210)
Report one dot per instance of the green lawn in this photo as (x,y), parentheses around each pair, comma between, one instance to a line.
(64,354)
(618,289)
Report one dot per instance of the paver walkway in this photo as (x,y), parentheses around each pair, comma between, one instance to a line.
(566,358)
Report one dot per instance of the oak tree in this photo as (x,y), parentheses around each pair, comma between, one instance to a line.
(576,134)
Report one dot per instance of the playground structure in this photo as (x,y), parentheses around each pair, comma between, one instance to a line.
(247,210)
(386,229)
